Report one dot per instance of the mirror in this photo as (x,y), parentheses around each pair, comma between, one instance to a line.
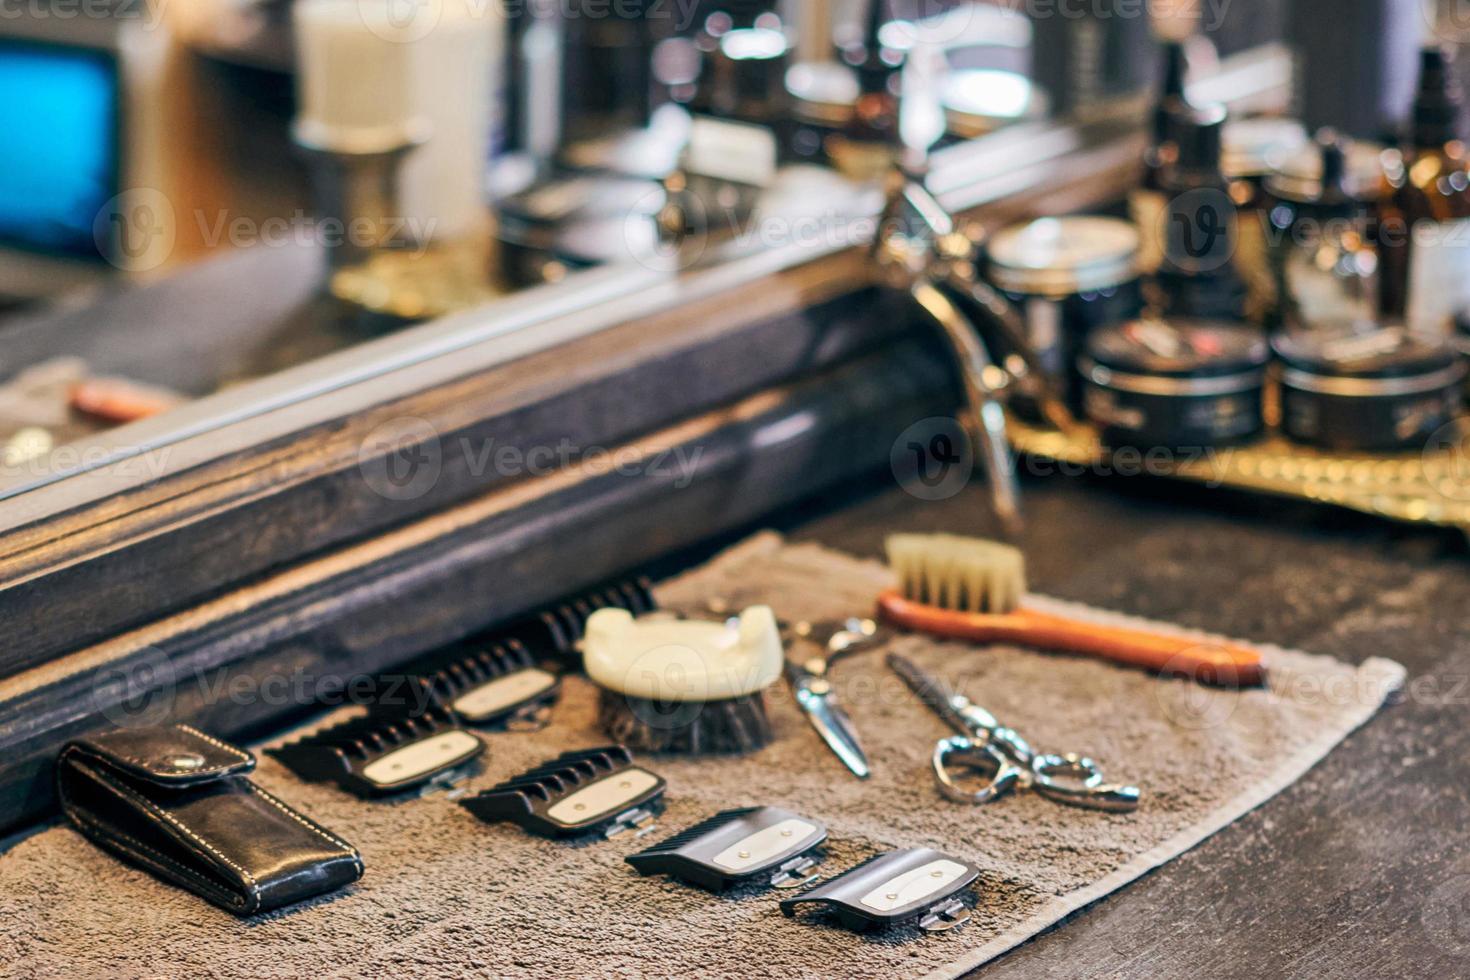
(197,226)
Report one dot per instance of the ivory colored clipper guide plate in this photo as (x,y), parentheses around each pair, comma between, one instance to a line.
(576,794)
(491,683)
(736,847)
(375,756)
(919,886)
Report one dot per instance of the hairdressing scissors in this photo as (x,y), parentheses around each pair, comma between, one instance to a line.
(1001,757)
(811,649)
(813,688)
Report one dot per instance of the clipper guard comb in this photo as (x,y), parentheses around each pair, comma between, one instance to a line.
(576,794)
(373,756)
(737,847)
(920,887)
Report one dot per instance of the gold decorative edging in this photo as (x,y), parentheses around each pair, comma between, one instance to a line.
(1428,487)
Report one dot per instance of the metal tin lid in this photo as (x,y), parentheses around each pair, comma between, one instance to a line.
(578,197)
(1299,178)
(615,240)
(1060,256)
(981,100)
(822,92)
(1179,348)
(1364,350)
(1260,146)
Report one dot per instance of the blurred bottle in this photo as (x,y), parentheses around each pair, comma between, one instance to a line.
(1354,61)
(733,152)
(868,145)
(746,53)
(1146,201)
(1329,268)
(609,85)
(1424,228)
(822,91)
(1197,275)
(1088,54)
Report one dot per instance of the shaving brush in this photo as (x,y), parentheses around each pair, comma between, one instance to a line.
(684,686)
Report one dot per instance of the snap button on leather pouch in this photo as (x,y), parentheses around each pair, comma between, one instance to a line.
(178,803)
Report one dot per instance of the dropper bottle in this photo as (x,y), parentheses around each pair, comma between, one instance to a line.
(1330,269)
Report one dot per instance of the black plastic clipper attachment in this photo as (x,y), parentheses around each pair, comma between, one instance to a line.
(559,629)
(914,887)
(576,794)
(487,683)
(374,756)
(738,847)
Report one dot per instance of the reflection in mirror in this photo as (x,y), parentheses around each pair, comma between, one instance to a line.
(210,193)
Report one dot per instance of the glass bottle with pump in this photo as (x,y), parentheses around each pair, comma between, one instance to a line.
(1424,226)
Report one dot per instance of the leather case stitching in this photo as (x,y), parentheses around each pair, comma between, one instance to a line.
(78,756)
(130,796)
(347,848)
(82,816)
(151,765)
(116,837)
(223,746)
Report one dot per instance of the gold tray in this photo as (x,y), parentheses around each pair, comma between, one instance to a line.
(1428,487)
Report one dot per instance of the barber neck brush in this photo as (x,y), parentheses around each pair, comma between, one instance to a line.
(684,686)
(972,589)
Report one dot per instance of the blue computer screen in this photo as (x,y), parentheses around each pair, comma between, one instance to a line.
(58,144)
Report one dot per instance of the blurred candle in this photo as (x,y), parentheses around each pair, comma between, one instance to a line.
(354,62)
(457,88)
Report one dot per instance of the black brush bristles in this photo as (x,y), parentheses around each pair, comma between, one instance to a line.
(731,726)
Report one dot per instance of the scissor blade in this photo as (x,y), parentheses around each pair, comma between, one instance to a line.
(836,729)
(930,689)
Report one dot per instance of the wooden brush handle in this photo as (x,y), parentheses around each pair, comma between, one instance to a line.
(1224,664)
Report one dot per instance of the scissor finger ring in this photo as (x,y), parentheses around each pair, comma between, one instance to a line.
(971,757)
(1076,780)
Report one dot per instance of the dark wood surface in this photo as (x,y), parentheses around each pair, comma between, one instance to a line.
(1360,869)
(362,608)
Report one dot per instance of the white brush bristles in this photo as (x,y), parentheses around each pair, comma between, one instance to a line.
(959,573)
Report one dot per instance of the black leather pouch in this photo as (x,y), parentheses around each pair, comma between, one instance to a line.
(177,802)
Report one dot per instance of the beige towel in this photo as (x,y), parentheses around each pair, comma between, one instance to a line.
(446,895)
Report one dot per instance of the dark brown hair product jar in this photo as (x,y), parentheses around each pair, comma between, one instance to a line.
(1351,389)
(1175,384)
(1067,277)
